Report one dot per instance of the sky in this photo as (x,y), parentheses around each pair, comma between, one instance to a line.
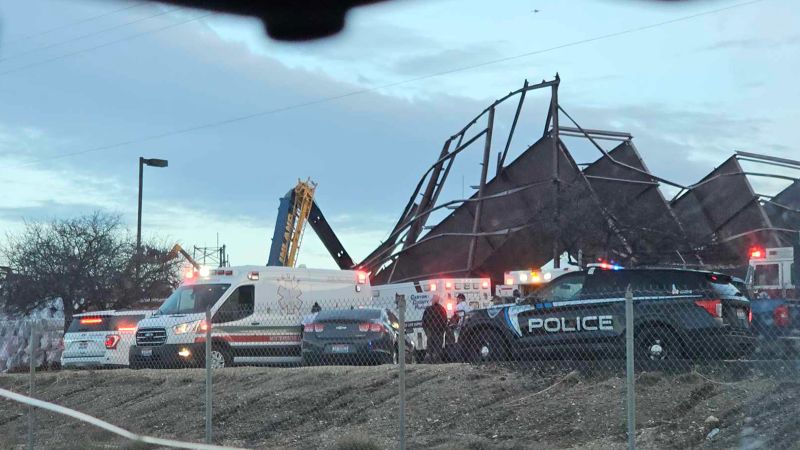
(86,87)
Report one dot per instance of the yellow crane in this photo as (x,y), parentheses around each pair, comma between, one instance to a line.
(299,209)
(178,250)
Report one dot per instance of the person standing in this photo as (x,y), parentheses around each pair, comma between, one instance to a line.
(462,307)
(434,323)
(309,318)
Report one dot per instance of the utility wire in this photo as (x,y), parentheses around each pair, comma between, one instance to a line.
(376,88)
(117,41)
(84,36)
(72,24)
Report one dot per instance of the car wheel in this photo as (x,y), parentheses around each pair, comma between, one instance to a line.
(656,344)
(488,346)
(220,357)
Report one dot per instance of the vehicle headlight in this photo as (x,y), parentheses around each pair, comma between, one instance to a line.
(186,327)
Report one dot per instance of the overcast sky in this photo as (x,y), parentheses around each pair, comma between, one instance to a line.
(82,97)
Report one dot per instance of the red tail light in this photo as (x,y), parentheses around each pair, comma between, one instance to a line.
(111,341)
(781,316)
(485,284)
(370,326)
(750,315)
(313,327)
(713,307)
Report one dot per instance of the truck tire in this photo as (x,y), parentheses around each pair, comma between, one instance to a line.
(487,346)
(221,357)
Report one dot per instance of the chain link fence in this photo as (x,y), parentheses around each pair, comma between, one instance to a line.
(606,359)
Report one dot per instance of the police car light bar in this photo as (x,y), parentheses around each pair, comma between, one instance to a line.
(605,266)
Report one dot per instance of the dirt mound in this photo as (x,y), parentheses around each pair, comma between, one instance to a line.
(449,407)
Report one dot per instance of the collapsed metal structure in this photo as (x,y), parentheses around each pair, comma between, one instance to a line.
(543,203)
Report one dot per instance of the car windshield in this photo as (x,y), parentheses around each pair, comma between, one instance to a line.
(195,298)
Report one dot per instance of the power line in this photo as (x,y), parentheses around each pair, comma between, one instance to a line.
(84,36)
(383,86)
(89,49)
(72,24)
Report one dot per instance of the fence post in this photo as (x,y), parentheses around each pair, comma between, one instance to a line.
(630,391)
(401,359)
(32,372)
(209,389)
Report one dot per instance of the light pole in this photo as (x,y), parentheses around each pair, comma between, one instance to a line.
(152,163)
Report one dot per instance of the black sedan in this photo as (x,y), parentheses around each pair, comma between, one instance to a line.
(354,336)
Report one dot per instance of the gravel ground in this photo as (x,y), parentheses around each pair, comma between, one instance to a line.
(450,406)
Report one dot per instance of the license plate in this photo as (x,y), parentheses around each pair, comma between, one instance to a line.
(83,345)
(741,314)
(340,348)
(147,352)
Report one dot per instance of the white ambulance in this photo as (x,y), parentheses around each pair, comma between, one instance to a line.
(770,271)
(418,294)
(518,284)
(256,315)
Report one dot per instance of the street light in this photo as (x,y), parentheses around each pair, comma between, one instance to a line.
(152,163)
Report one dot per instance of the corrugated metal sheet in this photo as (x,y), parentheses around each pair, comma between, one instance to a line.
(440,252)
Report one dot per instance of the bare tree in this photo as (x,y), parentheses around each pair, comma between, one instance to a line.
(89,262)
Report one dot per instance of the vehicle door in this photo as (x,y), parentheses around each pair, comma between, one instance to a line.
(767,276)
(235,323)
(546,318)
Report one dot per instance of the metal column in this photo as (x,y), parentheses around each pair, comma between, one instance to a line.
(476,224)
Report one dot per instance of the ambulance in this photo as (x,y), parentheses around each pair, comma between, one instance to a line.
(772,271)
(521,283)
(418,294)
(256,314)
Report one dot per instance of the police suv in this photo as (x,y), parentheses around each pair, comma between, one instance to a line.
(677,314)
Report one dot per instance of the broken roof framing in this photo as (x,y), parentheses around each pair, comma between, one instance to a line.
(542,203)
